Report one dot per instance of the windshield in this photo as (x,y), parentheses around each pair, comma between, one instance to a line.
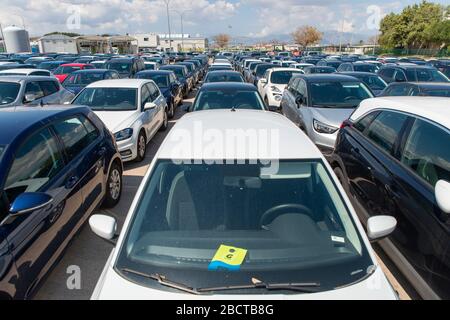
(8,92)
(161,80)
(221,99)
(374,82)
(217,68)
(149,66)
(223,77)
(338,94)
(108,99)
(48,66)
(282,77)
(121,67)
(178,71)
(365,68)
(291,225)
(82,79)
(65,70)
(261,69)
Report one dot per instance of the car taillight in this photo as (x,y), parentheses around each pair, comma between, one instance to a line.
(346,123)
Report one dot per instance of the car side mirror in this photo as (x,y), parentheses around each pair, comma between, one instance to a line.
(379,227)
(299,101)
(442,194)
(149,105)
(103,226)
(28,202)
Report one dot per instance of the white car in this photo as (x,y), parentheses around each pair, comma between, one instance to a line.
(26,72)
(272,85)
(132,109)
(204,225)
(151,65)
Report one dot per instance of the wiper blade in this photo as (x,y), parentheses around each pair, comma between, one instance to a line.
(163,281)
(306,287)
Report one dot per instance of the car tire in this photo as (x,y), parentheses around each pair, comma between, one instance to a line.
(113,186)
(165,123)
(171,109)
(341,177)
(141,147)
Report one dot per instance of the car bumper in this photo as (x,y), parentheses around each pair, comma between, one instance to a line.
(274,101)
(127,149)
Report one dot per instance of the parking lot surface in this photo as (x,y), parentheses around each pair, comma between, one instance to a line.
(89,252)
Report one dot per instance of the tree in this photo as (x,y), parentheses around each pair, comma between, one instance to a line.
(222,40)
(306,36)
(69,34)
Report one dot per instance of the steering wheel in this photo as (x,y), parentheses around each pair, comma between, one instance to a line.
(272,213)
(350,98)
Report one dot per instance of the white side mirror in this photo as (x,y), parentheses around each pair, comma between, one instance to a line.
(103,226)
(442,194)
(149,105)
(379,227)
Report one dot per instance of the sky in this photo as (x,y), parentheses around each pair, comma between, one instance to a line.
(245,19)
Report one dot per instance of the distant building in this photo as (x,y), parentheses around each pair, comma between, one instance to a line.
(147,41)
(182,43)
(100,44)
(57,43)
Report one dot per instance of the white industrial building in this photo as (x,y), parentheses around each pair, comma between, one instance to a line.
(57,43)
(147,41)
(182,42)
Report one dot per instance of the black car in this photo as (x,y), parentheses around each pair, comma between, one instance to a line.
(316,69)
(389,157)
(182,76)
(126,67)
(227,95)
(412,73)
(259,72)
(193,72)
(57,165)
(169,86)
(223,76)
(372,80)
(220,67)
(358,66)
(437,89)
(77,80)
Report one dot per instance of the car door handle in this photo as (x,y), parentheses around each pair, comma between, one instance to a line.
(71,182)
(101,151)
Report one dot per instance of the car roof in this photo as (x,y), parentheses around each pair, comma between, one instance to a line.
(290,141)
(161,72)
(23,71)
(119,83)
(317,77)
(228,86)
(171,66)
(359,73)
(25,77)
(92,71)
(432,108)
(284,69)
(410,66)
(15,120)
(75,64)
(224,72)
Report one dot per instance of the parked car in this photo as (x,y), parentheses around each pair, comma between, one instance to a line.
(126,67)
(301,66)
(214,67)
(169,86)
(334,63)
(248,73)
(35,61)
(411,73)
(373,81)
(58,164)
(132,109)
(318,69)
(272,85)
(32,90)
(259,72)
(77,80)
(183,77)
(26,72)
(291,230)
(223,76)
(392,157)
(64,70)
(358,67)
(193,72)
(318,104)
(437,89)
(50,65)
(12,65)
(227,95)
(150,65)
(98,64)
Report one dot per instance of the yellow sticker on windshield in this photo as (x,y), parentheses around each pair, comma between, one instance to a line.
(229,258)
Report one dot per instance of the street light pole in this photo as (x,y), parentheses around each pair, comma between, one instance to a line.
(167,2)
(182,13)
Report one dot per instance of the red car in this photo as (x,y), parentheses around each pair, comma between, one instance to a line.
(65,69)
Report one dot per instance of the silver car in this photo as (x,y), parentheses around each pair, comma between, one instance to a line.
(319,103)
(32,90)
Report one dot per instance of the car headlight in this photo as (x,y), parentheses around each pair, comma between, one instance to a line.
(323,128)
(123,134)
(275,89)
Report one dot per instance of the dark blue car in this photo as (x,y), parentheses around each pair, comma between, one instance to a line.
(57,165)
(182,75)
(169,86)
(77,80)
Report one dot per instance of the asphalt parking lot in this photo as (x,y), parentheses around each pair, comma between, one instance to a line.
(89,252)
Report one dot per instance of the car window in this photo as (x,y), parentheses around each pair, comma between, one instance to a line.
(75,135)
(33,88)
(36,162)
(49,87)
(399,76)
(145,96)
(154,91)
(365,121)
(388,72)
(292,87)
(424,152)
(384,130)
(301,88)
(398,90)
(8,92)
(39,73)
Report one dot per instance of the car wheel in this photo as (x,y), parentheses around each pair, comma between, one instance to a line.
(113,186)
(141,147)
(172,109)
(341,177)
(165,124)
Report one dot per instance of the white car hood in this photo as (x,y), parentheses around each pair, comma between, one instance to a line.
(112,286)
(118,120)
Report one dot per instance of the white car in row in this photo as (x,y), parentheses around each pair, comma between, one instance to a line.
(132,109)
(26,72)
(272,85)
(203,225)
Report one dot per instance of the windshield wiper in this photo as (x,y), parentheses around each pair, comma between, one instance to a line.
(163,281)
(306,287)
